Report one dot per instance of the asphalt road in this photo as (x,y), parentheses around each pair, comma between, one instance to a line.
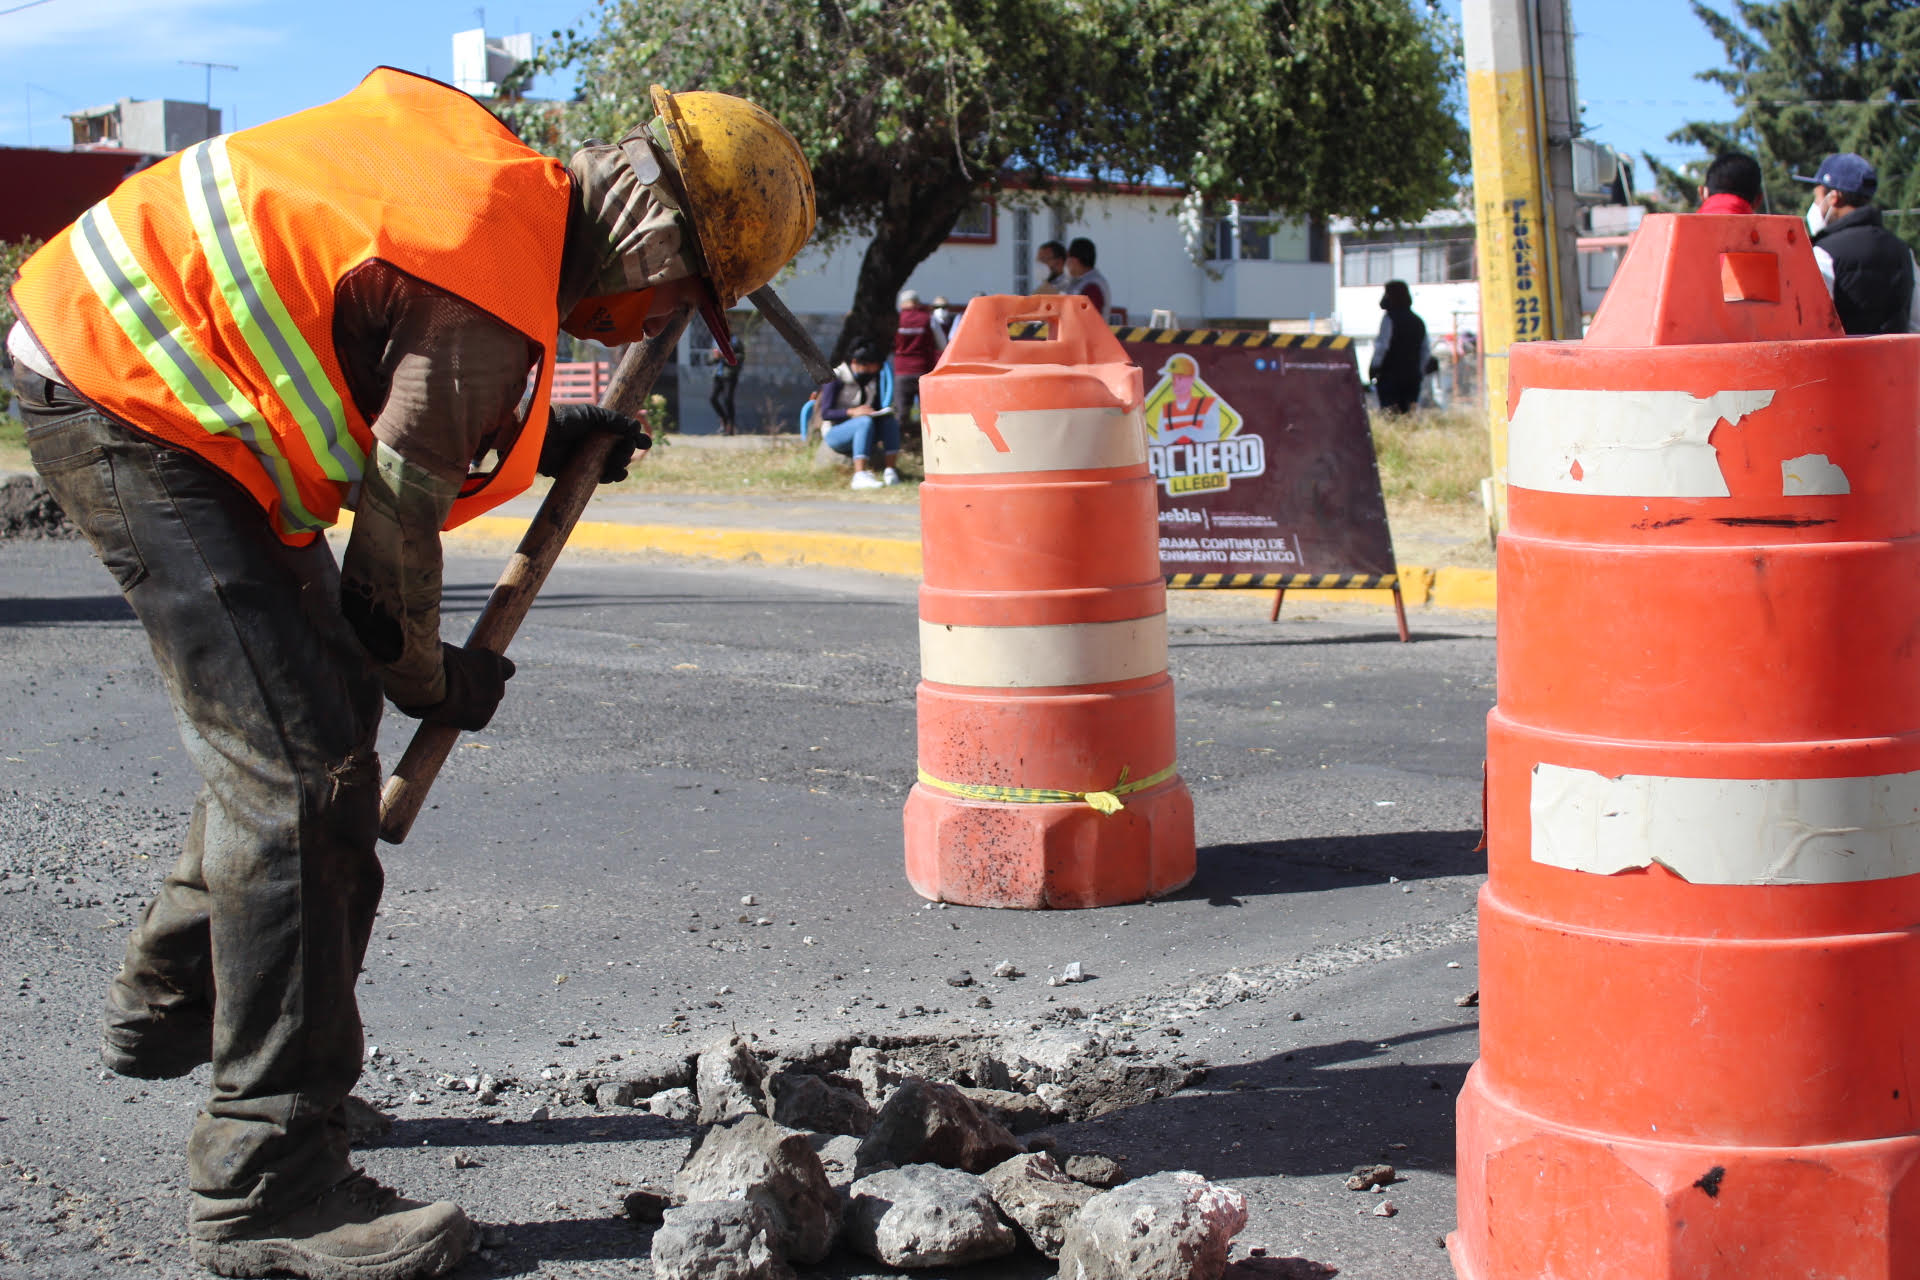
(681,736)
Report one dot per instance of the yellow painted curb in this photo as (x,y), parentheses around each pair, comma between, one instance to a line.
(768,546)
(1446,588)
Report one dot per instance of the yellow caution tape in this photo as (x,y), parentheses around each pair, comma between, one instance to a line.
(1107,801)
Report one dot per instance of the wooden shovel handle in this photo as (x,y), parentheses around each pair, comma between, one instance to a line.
(527,569)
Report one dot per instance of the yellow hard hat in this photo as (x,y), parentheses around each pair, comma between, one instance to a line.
(748,187)
(1180,365)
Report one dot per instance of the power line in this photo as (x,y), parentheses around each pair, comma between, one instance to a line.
(17,8)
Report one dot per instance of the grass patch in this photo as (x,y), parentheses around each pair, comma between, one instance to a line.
(13,444)
(1437,458)
(778,465)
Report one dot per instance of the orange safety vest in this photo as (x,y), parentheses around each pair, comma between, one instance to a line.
(1174,420)
(196,302)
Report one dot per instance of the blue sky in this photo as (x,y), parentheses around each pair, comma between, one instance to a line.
(1635,58)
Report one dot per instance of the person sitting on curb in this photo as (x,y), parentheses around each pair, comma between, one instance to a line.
(856,420)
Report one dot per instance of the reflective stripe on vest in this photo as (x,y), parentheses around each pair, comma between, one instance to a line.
(226,241)
(150,323)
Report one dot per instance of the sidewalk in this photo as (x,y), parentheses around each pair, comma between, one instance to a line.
(852,533)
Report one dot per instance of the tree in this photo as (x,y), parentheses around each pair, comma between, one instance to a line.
(909,110)
(1809,78)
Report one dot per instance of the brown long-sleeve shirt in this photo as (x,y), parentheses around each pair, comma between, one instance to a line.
(442,384)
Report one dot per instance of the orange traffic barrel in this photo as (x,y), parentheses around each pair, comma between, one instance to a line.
(1047,764)
(1700,935)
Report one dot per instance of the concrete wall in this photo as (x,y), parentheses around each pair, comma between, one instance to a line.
(163,126)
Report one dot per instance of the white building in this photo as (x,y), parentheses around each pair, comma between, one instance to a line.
(1253,269)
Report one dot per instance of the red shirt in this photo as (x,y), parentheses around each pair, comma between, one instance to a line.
(1725,202)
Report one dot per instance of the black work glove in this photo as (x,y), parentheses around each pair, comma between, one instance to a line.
(476,681)
(568,426)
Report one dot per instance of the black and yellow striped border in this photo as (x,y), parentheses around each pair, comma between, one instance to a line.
(1289,581)
(1251,339)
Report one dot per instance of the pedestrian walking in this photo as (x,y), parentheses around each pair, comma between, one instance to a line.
(343,307)
(1868,270)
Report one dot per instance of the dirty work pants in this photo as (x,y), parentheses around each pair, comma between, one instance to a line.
(268,911)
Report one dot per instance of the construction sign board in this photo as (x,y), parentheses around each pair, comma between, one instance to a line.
(1264,459)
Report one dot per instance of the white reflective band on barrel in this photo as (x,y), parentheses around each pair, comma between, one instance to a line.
(1622,444)
(227,242)
(1035,440)
(1744,831)
(1043,657)
(168,346)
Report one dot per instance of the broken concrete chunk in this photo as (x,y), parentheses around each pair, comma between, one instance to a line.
(1366,1176)
(926,1216)
(929,1123)
(673,1104)
(808,1102)
(648,1204)
(728,1081)
(1039,1197)
(753,1158)
(839,1156)
(875,1073)
(1171,1226)
(610,1093)
(1384,1209)
(726,1240)
(1019,1112)
(1095,1170)
(1006,969)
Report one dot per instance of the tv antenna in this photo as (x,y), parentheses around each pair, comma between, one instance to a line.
(211,68)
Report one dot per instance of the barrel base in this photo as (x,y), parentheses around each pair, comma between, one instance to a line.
(978,853)
(1542,1201)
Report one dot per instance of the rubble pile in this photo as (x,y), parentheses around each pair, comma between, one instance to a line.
(911,1152)
(28,511)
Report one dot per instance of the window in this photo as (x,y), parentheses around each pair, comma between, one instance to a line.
(1598,265)
(1255,235)
(1440,256)
(976,224)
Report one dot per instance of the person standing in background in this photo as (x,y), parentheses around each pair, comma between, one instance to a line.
(1868,269)
(1733,184)
(917,343)
(1083,279)
(1400,352)
(726,381)
(1052,257)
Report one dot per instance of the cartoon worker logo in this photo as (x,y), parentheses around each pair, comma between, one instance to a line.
(1183,410)
(1194,441)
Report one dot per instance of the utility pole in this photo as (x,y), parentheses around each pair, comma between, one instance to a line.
(1523,115)
(211,68)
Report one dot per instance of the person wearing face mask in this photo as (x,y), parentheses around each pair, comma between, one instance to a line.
(355,306)
(1868,270)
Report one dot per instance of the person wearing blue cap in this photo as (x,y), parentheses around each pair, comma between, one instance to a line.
(1868,270)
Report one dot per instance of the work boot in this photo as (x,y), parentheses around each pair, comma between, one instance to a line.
(359,1230)
(149,1043)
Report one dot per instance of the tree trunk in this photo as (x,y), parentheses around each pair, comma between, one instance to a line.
(913,223)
